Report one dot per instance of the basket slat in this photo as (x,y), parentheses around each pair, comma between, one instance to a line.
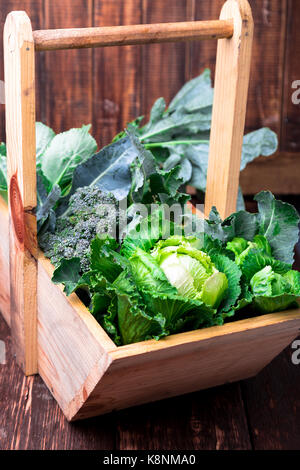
(21,175)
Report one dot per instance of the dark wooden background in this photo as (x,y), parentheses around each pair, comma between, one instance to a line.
(108,87)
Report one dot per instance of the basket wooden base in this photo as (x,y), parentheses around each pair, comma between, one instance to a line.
(89,375)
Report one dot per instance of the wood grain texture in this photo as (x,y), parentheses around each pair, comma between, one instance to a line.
(164,69)
(117,77)
(4,262)
(204,54)
(72,38)
(71,344)
(290,111)
(279,174)
(82,379)
(34,9)
(21,175)
(213,419)
(266,78)
(208,420)
(269,102)
(229,110)
(187,362)
(273,405)
(68,74)
(30,418)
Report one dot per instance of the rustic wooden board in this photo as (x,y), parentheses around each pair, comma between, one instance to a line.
(273,405)
(19,61)
(30,418)
(130,93)
(4,263)
(279,174)
(187,362)
(117,77)
(213,419)
(34,9)
(68,84)
(290,113)
(65,327)
(163,65)
(229,110)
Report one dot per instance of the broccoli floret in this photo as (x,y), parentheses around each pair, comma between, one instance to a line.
(91,212)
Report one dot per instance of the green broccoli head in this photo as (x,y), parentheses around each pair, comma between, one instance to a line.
(91,212)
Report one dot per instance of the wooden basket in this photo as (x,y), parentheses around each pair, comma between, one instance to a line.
(56,336)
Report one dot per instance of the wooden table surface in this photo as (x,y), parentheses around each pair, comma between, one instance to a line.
(259,413)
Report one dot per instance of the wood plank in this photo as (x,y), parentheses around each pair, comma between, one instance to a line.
(279,173)
(265,90)
(68,89)
(30,418)
(265,100)
(203,54)
(290,119)
(117,76)
(71,344)
(273,405)
(164,69)
(209,420)
(229,110)
(184,363)
(4,263)
(21,174)
(34,10)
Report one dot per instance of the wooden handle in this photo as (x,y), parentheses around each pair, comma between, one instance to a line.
(53,39)
(21,174)
(229,109)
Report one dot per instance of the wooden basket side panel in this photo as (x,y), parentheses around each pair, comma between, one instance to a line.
(186,368)
(67,349)
(4,263)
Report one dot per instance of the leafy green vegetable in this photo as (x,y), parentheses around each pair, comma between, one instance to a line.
(108,170)
(44,135)
(274,292)
(3,171)
(68,273)
(64,153)
(157,282)
(89,212)
(191,271)
(179,134)
(278,222)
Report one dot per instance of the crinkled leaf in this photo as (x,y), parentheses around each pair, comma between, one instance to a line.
(278,222)
(256,260)
(148,275)
(233,274)
(133,321)
(274,292)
